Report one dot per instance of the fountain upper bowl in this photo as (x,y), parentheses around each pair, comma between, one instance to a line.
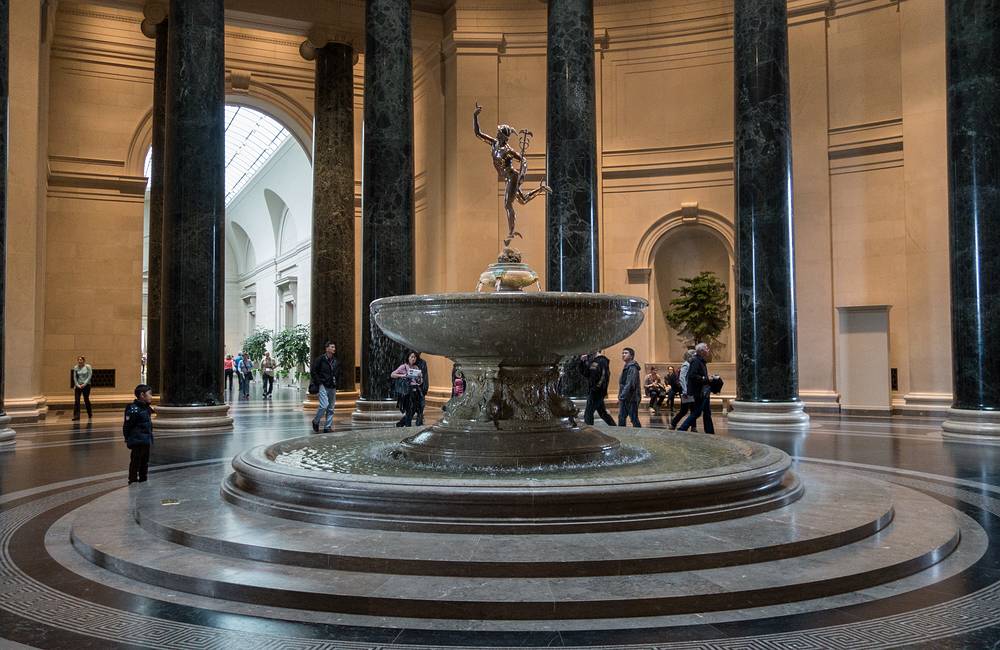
(514,327)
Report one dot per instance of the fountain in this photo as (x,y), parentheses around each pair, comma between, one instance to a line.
(509,454)
(509,508)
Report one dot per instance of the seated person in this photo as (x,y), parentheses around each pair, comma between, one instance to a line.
(656,390)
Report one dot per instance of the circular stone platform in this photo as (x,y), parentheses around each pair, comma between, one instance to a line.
(845,534)
(660,479)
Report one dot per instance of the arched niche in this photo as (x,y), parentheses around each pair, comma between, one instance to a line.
(242,245)
(682,244)
(285,233)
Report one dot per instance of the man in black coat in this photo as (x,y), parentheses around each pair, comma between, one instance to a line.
(597,369)
(324,374)
(138,432)
(698,387)
(629,390)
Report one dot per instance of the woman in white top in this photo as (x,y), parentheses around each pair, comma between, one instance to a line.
(82,374)
(414,378)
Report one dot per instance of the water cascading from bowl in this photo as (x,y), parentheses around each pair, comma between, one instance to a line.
(508,346)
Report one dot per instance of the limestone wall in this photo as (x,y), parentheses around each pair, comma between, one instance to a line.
(867,83)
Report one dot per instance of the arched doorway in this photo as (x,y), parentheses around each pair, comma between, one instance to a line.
(268,225)
(684,252)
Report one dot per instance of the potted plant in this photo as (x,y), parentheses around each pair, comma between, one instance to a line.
(291,349)
(256,344)
(701,310)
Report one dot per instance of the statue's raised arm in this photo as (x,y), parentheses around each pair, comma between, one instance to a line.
(475,127)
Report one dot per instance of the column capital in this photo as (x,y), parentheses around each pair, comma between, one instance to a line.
(154,12)
(321,35)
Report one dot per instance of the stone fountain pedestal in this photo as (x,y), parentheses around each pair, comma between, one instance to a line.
(508,345)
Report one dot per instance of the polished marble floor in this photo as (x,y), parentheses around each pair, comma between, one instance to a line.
(49,599)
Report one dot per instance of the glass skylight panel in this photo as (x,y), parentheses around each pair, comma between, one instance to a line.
(251,139)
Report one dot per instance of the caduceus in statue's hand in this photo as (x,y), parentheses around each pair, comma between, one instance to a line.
(504,159)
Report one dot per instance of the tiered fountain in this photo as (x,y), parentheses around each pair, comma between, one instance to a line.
(509,507)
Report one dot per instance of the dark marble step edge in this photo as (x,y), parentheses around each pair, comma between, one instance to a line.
(511,569)
(778,495)
(511,610)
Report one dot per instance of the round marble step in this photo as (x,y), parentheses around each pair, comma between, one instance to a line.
(818,521)
(923,532)
(676,479)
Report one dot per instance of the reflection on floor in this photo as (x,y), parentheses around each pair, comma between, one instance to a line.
(50,597)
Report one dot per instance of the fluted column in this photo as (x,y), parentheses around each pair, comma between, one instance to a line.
(332,303)
(154,25)
(387,193)
(766,356)
(571,241)
(6,433)
(192,296)
(973,46)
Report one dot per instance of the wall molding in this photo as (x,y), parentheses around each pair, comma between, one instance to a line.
(866,147)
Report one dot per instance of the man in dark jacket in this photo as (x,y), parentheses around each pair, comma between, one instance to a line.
(629,390)
(422,398)
(698,387)
(324,373)
(597,369)
(138,432)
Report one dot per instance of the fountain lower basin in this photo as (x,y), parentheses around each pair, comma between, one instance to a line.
(683,478)
(508,346)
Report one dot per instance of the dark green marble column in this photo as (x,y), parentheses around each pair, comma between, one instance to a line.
(973,49)
(387,193)
(192,298)
(332,302)
(6,433)
(766,359)
(571,242)
(154,268)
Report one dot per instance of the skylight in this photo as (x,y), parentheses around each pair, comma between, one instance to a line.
(251,139)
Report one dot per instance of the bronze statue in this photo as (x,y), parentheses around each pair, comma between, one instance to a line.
(504,158)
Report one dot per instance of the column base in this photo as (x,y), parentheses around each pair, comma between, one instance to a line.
(766,414)
(375,411)
(208,419)
(345,401)
(28,410)
(6,433)
(971,423)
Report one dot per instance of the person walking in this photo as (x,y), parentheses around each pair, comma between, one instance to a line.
(247,367)
(238,369)
(629,390)
(699,387)
(655,389)
(268,366)
(324,374)
(597,369)
(410,373)
(82,376)
(138,432)
(686,400)
(227,365)
(422,398)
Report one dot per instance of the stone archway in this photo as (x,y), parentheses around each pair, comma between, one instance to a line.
(683,243)
(258,96)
